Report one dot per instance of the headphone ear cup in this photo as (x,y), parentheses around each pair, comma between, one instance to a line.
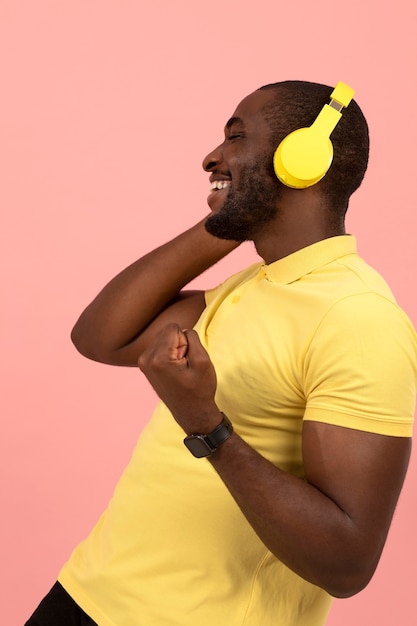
(303,158)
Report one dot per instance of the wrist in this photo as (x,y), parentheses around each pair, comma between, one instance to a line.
(202,421)
(204,445)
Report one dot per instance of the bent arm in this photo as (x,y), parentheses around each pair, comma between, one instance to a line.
(126,315)
(329,528)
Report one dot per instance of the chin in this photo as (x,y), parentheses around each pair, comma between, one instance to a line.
(219,226)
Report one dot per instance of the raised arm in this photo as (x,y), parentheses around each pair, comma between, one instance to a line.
(126,315)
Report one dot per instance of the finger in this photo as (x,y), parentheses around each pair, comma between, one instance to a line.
(174,344)
(182,344)
(195,348)
(171,341)
(169,345)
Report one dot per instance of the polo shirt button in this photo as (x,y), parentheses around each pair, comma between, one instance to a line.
(235,299)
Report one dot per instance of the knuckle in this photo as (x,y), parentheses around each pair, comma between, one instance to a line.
(155,362)
(148,361)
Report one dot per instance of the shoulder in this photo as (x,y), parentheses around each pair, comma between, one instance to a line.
(231,283)
(361,366)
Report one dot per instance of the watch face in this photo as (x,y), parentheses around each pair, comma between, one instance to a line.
(198,446)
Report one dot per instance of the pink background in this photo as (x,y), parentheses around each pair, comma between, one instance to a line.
(107,109)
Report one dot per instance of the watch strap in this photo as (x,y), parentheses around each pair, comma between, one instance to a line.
(221,433)
(201,445)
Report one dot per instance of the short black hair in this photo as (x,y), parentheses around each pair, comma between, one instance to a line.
(296,105)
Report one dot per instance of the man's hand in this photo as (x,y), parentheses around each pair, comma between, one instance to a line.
(180,371)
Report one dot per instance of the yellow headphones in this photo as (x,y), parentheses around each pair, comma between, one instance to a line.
(304,156)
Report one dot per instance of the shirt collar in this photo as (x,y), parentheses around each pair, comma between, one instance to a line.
(306,260)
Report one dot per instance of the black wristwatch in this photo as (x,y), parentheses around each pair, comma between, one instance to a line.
(204,445)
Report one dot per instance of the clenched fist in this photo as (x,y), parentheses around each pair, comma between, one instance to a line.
(180,371)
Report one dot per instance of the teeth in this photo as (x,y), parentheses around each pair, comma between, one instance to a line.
(219,184)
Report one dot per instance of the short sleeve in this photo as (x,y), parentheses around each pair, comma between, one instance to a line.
(360,370)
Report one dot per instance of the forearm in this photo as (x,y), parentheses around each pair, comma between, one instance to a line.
(304,528)
(130,301)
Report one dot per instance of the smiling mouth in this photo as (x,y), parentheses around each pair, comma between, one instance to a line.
(219,184)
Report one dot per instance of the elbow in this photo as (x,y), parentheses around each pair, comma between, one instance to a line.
(346,589)
(87,340)
(80,340)
(349,582)
(92,345)
(351,569)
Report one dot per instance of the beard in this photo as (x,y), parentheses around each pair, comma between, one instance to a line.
(248,209)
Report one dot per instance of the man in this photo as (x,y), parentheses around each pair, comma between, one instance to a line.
(301,370)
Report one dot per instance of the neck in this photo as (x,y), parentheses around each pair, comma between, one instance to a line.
(301,220)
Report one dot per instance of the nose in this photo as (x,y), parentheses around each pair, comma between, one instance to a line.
(212,160)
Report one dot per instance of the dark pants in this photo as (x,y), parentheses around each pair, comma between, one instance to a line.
(59,609)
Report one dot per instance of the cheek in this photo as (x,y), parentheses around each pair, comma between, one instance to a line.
(217,199)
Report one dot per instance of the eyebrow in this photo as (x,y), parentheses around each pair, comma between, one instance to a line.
(234,120)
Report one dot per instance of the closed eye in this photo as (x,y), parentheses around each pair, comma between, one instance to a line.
(234,129)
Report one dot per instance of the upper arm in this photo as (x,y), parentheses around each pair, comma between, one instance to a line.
(184,310)
(362,473)
(360,384)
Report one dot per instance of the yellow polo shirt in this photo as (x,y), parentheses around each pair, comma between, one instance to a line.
(317,336)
